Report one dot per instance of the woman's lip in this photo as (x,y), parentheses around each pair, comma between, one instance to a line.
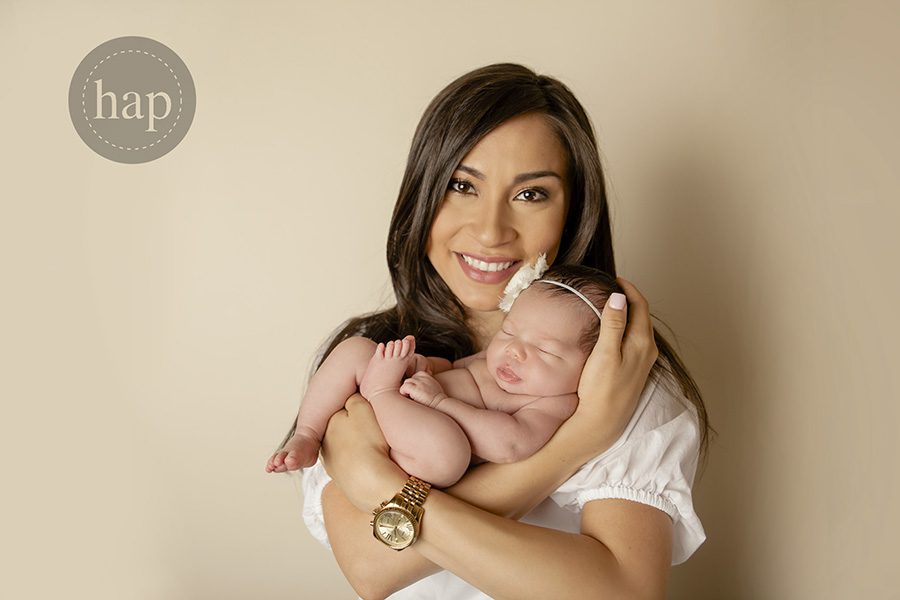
(507,375)
(486,276)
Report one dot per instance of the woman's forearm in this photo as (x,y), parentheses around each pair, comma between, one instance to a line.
(507,559)
(480,547)
(507,490)
(373,569)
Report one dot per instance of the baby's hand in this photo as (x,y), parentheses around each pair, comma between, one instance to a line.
(424,389)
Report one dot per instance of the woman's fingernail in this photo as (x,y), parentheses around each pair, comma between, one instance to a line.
(617,301)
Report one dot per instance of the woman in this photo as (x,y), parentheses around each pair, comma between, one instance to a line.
(503,167)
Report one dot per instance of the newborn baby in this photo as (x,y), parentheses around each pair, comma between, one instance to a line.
(500,405)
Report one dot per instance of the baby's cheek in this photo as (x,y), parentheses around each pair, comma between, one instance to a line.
(490,356)
(563,378)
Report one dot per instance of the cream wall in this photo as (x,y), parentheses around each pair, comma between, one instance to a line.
(158,320)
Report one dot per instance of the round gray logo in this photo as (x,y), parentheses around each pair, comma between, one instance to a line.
(132,99)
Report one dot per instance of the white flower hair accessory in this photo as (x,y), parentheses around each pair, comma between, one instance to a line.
(524,277)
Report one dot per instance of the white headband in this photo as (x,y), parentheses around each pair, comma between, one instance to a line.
(527,275)
(574,291)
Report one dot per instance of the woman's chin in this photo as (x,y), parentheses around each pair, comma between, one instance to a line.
(483,304)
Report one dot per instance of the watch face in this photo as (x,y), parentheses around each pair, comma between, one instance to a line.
(394,528)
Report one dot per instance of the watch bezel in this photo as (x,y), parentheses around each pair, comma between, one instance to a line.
(407,514)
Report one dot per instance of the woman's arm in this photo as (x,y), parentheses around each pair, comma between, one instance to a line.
(624,549)
(508,559)
(355,455)
(614,377)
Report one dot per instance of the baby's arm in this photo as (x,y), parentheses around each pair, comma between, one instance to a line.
(494,435)
(503,438)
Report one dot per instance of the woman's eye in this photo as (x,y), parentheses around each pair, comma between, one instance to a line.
(533,195)
(460,186)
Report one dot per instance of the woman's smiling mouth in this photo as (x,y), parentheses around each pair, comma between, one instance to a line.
(484,269)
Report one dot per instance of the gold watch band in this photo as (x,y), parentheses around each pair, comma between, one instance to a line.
(415,490)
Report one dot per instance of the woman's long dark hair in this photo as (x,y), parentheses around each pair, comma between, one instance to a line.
(455,120)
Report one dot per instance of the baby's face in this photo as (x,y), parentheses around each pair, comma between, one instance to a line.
(536,350)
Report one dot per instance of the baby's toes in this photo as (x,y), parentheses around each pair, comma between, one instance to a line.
(276,461)
(291,461)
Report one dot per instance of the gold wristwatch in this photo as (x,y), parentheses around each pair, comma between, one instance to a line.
(397,521)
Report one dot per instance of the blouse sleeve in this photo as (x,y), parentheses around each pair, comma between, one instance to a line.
(314,480)
(654,463)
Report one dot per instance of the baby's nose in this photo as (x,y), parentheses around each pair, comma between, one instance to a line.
(515,351)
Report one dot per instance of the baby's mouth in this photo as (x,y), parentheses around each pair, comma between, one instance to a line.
(508,375)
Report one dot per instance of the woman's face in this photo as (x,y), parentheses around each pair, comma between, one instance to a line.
(505,205)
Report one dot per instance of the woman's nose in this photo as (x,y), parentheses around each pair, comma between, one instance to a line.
(492,226)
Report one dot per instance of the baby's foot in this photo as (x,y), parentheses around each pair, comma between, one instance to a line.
(417,363)
(387,368)
(299,452)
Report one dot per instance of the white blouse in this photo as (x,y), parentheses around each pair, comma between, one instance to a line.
(653,462)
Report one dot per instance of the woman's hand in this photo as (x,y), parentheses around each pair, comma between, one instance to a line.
(357,456)
(617,368)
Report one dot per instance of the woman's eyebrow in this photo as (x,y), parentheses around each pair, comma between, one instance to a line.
(521,177)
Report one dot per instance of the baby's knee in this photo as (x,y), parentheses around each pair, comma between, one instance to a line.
(448,472)
(449,463)
(438,473)
(356,348)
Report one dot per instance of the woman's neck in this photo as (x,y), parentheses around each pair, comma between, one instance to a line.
(484,325)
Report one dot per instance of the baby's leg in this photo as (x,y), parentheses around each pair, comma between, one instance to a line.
(424,442)
(335,381)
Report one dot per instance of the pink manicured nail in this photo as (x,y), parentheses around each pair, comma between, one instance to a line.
(617,301)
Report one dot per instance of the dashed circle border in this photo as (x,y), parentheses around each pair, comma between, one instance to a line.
(88,79)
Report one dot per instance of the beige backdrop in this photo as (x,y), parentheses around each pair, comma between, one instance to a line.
(158,320)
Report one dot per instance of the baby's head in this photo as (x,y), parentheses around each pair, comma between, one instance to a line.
(549,332)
